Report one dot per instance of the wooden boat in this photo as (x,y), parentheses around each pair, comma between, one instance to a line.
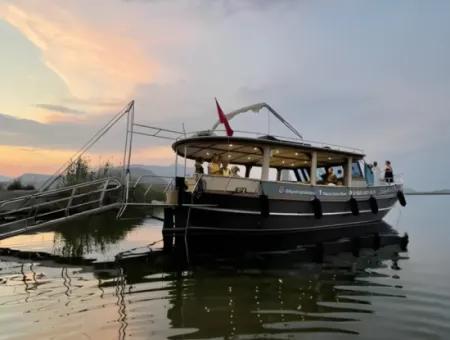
(280,189)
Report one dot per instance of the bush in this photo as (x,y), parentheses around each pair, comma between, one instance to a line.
(80,171)
(17,185)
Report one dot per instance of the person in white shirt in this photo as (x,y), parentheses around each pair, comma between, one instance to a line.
(376,174)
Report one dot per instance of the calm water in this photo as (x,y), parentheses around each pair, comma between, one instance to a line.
(67,284)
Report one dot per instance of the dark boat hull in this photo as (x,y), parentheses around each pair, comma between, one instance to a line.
(228,213)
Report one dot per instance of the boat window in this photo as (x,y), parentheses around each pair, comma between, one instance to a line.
(255,173)
(338,171)
(287,175)
(320,174)
(356,170)
(305,174)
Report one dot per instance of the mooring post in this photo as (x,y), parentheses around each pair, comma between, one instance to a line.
(180,211)
(168,229)
(180,225)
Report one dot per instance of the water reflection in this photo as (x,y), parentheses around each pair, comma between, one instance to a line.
(78,238)
(322,286)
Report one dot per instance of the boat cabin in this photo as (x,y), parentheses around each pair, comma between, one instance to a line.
(268,158)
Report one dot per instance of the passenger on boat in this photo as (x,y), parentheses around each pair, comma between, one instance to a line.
(214,166)
(376,174)
(234,171)
(388,173)
(225,170)
(330,177)
(199,166)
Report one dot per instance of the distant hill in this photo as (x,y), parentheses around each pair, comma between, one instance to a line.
(442,191)
(4,178)
(137,170)
(33,179)
(407,190)
(164,170)
(427,192)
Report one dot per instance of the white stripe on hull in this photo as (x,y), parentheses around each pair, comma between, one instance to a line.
(254,212)
(309,228)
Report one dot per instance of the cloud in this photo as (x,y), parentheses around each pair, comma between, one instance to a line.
(91,61)
(59,109)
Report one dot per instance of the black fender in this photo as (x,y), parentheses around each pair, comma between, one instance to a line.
(317,207)
(264,205)
(354,206)
(373,204)
(401,198)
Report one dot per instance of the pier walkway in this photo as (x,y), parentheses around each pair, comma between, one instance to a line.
(38,210)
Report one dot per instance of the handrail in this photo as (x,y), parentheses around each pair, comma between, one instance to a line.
(99,188)
(56,191)
(58,200)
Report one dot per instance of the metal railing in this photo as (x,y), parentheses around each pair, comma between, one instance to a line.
(32,211)
(166,182)
(306,142)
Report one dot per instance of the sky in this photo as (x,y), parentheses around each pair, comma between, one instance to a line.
(369,74)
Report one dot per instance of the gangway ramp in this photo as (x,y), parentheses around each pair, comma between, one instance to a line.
(42,209)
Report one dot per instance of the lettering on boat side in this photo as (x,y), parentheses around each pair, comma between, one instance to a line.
(270,188)
(284,190)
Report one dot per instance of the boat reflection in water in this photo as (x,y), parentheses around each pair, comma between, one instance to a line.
(314,285)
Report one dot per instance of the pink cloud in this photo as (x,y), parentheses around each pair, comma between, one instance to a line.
(93,61)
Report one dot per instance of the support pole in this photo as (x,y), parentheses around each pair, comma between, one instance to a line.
(266,164)
(313,176)
(185,160)
(348,172)
(131,129)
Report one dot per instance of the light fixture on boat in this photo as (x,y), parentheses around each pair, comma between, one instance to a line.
(207,154)
(292,164)
(305,162)
(277,151)
(249,158)
(330,158)
(296,153)
(255,148)
(230,145)
(229,156)
(282,162)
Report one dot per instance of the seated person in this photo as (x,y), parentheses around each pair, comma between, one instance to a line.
(234,171)
(330,177)
(199,166)
(214,166)
(225,171)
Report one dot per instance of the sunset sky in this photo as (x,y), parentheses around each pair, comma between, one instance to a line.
(370,74)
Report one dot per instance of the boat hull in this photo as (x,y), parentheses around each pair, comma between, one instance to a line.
(231,213)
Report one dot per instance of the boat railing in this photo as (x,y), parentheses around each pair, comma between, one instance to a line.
(166,182)
(306,142)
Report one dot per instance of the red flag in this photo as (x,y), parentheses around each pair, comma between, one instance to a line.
(223,119)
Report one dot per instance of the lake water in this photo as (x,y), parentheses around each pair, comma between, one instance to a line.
(68,283)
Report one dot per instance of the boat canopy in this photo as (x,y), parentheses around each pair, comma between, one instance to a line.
(250,151)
